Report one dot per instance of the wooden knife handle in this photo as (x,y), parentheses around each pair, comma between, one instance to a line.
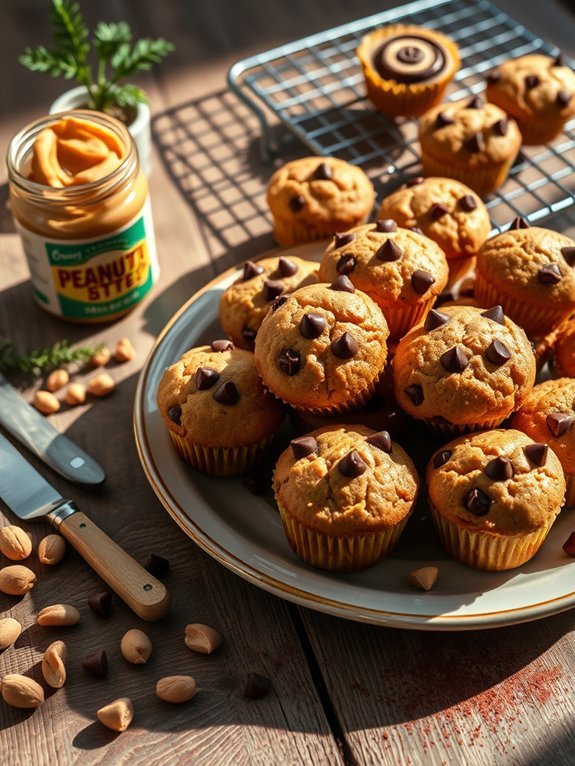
(148,598)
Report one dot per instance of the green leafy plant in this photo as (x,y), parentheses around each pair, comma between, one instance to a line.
(42,360)
(117,57)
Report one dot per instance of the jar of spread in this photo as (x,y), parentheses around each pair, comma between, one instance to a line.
(80,203)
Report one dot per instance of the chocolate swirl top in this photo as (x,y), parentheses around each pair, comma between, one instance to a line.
(409,58)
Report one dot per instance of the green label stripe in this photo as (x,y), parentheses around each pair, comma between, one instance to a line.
(40,295)
(66,255)
(81,310)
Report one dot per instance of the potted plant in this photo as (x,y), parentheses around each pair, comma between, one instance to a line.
(101,86)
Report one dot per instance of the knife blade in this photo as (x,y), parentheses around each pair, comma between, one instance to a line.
(40,437)
(27,493)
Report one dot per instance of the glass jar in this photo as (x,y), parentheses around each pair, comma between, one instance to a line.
(90,246)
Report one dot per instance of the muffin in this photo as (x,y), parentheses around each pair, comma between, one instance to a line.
(529,271)
(323,347)
(244,304)
(344,494)
(564,351)
(537,91)
(494,497)
(313,197)
(548,415)
(446,211)
(402,271)
(407,68)
(463,369)
(471,141)
(219,417)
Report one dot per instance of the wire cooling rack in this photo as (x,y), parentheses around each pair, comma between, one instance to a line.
(315,87)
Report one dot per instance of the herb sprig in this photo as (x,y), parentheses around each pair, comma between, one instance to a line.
(43,360)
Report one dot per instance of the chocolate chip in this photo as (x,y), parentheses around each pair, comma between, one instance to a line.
(343,284)
(438,210)
(385,225)
(339,240)
(206,377)
(96,664)
(454,360)
(417,230)
(312,325)
(256,686)
(569,254)
(467,203)
(550,275)
(227,393)
(499,469)
(346,264)
(475,103)
(559,60)
(442,120)
(474,143)
(256,482)
(157,565)
(389,251)
(478,502)
(251,270)
(531,81)
(421,281)
(381,440)
(175,414)
(495,314)
(272,289)
(101,603)
(518,223)
(559,423)
(303,446)
(279,302)
(286,268)
(352,465)
(497,353)
(536,453)
(323,172)
(501,127)
(345,347)
(444,297)
(434,320)
(415,181)
(440,458)
(222,345)
(296,203)
(415,393)
(289,362)
(249,336)
(563,98)
(493,77)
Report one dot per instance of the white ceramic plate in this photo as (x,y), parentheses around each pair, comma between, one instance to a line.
(244,533)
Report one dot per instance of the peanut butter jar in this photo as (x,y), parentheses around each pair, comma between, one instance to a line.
(80,203)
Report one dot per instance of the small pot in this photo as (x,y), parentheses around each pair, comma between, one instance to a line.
(139,129)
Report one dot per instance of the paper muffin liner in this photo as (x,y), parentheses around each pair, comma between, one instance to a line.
(570,491)
(401,317)
(535,132)
(485,550)
(222,461)
(458,269)
(353,403)
(339,553)
(445,427)
(482,180)
(288,233)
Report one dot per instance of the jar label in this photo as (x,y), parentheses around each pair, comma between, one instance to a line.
(93,279)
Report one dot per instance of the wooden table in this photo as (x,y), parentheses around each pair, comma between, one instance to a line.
(343,693)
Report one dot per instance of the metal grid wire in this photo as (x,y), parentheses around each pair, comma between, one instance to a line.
(315,87)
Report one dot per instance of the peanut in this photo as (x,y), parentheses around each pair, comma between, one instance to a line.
(10,629)
(51,549)
(101,385)
(58,614)
(46,403)
(176,689)
(100,358)
(57,380)
(124,352)
(53,664)
(16,580)
(75,394)
(424,578)
(21,691)
(202,638)
(15,543)
(118,715)
(136,647)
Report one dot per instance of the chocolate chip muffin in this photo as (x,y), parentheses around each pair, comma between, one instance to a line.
(344,494)
(446,211)
(407,68)
(218,415)
(494,497)
(244,304)
(313,197)
(564,350)
(402,271)
(548,416)
(529,271)
(469,140)
(537,91)
(463,369)
(323,347)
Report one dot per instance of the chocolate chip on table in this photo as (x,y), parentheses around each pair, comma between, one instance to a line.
(251,270)
(286,268)
(478,502)
(518,223)
(222,345)
(175,414)
(415,393)
(559,423)
(497,353)
(499,469)
(531,81)
(249,336)
(279,302)
(343,284)
(493,77)
(352,465)
(501,127)
(256,686)
(303,446)
(272,288)
(559,60)
(381,440)
(440,458)
(227,393)
(563,98)
(312,325)
(434,320)
(550,275)
(467,203)
(323,172)
(421,281)
(475,103)
(415,181)
(569,254)
(454,360)
(345,347)
(346,264)
(206,377)
(339,240)
(474,143)
(386,225)
(289,362)
(96,664)
(495,314)
(157,565)
(536,453)
(296,203)
(101,603)
(442,120)
(389,252)
(438,210)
